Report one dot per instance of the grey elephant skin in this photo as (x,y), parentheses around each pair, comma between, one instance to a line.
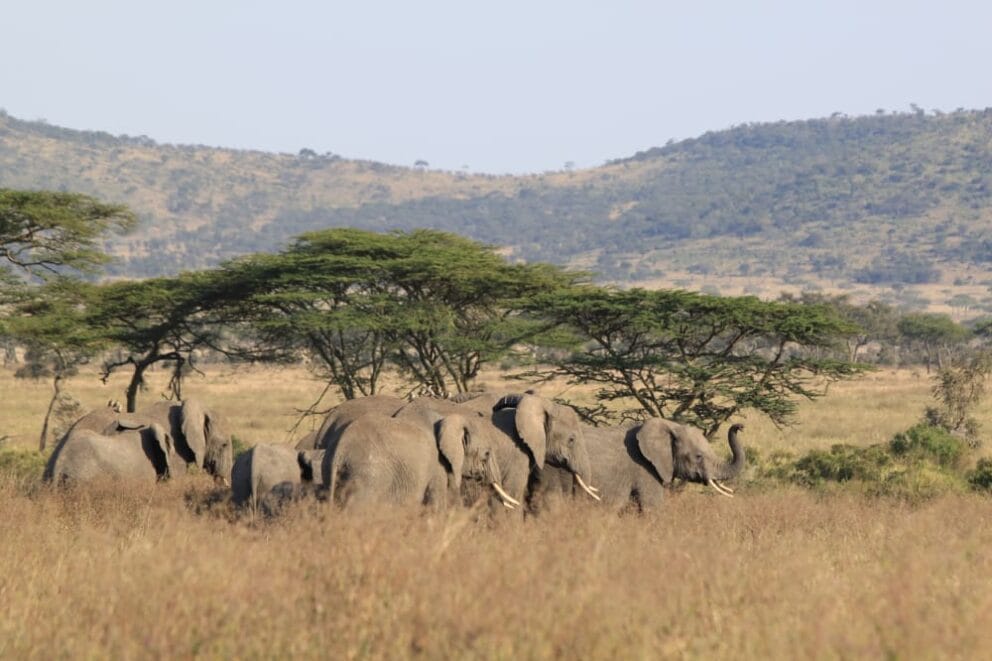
(145,453)
(384,460)
(272,473)
(96,420)
(633,465)
(195,437)
(525,432)
(346,413)
(199,433)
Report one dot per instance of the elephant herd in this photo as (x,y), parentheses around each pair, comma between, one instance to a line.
(509,451)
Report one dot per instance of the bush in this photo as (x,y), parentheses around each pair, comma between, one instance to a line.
(22,465)
(238,447)
(980,479)
(928,443)
(841,464)
(918,483)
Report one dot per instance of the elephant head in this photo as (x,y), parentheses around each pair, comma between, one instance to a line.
(676,450)
(553,434)
(206,439)
(465,443)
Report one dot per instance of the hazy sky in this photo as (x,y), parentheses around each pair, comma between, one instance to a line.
(501,86)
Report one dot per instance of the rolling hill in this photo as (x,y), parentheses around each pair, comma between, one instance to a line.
(898,205)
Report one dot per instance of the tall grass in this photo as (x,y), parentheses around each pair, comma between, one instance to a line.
(124,572)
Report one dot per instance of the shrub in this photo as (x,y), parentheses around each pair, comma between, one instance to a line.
(919,482)
(928,443)
(22,465)
(841,464)
(980,479)
(238,446)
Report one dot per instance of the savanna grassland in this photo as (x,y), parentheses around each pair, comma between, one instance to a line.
(777,572)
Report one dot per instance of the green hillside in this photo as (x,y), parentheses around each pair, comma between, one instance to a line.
(880,202)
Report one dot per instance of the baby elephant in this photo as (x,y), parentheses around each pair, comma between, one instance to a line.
(266,475)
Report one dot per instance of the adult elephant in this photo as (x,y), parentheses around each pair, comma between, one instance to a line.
(634,464)
(199,434)
(132,452)
(342,415)
(526,431)
(264,472)
(385,460)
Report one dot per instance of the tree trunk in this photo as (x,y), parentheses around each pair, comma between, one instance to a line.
(56,391)
(132,388)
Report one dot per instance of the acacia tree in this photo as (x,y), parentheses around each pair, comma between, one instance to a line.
(317,298)
(50,323)
(155,320)
(461,305)
(435,305)
(934,333)
(51,232)
(695,358)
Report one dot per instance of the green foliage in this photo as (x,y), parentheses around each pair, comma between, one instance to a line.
(924,442)
(435,305)
(50,321)
(958,389)
(22,465)
(921,463)
(156,320)
(45,231)
(238,446)
(935,334)
(840,464)
(693,357)
(980,478)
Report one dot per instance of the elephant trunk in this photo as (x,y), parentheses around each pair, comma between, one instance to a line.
(732,469)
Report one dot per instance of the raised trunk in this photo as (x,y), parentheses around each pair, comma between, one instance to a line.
(736,465)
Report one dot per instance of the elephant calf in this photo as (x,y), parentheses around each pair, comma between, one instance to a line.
(266,475)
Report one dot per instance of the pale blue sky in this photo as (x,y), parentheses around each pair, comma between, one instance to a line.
(502,86)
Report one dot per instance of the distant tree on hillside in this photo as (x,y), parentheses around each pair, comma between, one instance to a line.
(935,334)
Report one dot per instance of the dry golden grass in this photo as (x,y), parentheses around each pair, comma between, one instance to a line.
(113,571)
(118,573)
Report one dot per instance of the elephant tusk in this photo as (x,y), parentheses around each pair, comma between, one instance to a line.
(508,506)
(505,497)
(585,487)
(718,489)
(724,486)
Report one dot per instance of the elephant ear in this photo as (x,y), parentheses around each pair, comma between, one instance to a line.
(452,437)
(654,439)
(531,419)
(305,463)
(163,442)
(194,431)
